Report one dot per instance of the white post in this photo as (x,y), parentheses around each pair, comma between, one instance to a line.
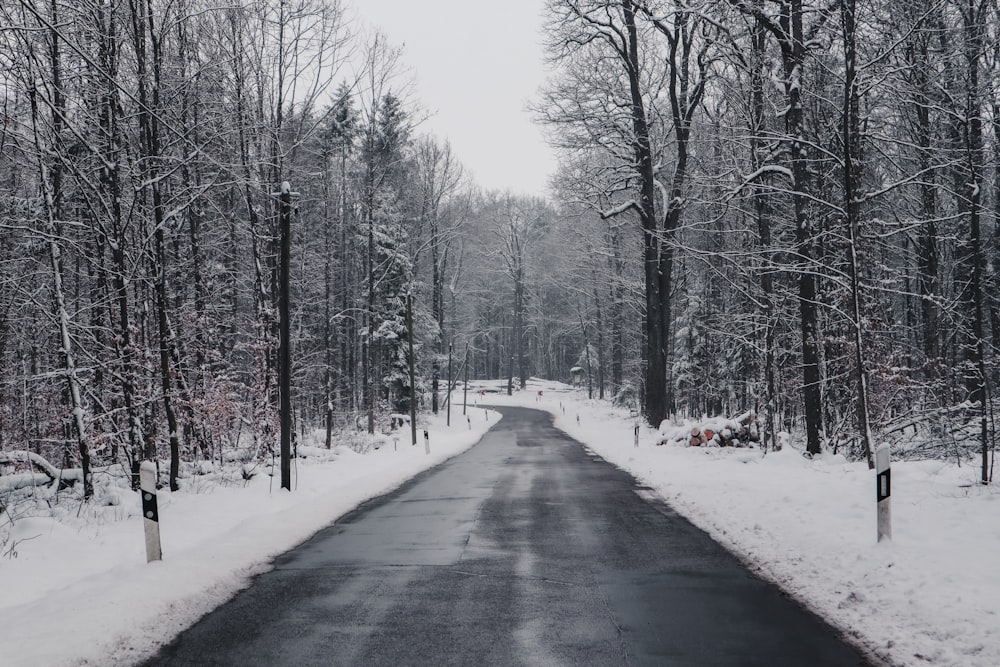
(427,442)
(637,435)
(882,493)
(150,516)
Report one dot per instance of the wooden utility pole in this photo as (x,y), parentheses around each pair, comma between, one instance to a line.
(284,339)
(450,387)
(413,382)
(465,384)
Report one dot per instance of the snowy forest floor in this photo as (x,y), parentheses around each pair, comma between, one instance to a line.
(931,596)
(76,589)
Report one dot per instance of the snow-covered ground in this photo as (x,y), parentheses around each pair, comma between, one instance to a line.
(931,596)
(79,592)
(76,589)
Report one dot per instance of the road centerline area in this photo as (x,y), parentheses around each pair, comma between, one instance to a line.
(511,555)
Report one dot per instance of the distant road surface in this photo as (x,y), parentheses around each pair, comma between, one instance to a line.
(525,550)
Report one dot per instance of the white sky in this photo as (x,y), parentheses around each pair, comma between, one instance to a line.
(475,65)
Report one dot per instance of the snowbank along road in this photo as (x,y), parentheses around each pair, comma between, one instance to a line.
(526,550)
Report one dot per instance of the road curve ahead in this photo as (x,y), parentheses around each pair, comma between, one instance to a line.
(525,550)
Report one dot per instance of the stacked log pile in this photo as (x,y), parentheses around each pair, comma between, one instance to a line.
(740,431)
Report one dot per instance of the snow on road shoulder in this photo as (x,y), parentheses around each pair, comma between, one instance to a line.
(929,597)
(80,593)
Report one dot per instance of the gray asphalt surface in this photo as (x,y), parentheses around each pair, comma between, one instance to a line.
(525,550)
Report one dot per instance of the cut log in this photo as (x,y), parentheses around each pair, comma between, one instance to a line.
(50,475)
(25,457)
(23,480)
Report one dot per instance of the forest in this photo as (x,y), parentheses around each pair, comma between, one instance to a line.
(787,208)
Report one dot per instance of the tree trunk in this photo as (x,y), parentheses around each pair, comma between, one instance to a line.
(411,364)
(50,181)
(149,85)
(852,197)
(437,307)
(600,345)
(328,345)
(366,348)
(793,59)
(927,244)
(974,17)
(655,390)
(762,213)
(518,342)
(994,278)
(285,335)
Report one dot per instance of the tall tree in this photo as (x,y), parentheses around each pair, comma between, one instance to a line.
(788,30)
(584,34)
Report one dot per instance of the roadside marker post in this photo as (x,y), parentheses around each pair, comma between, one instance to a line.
(150,515)
(882,492)
(427,442)
(469,419)
(636,435)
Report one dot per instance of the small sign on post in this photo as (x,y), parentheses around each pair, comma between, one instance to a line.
(882,491)
(150,515)
(427,442)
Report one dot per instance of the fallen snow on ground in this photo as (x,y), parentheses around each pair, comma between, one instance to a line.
(80,593)
(931,596)
(76,590)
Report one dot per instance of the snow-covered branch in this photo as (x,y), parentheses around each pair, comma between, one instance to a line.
(618,210)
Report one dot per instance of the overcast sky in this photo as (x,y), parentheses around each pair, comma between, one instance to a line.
(475,64)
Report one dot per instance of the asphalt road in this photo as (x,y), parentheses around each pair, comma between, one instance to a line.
(525,550)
